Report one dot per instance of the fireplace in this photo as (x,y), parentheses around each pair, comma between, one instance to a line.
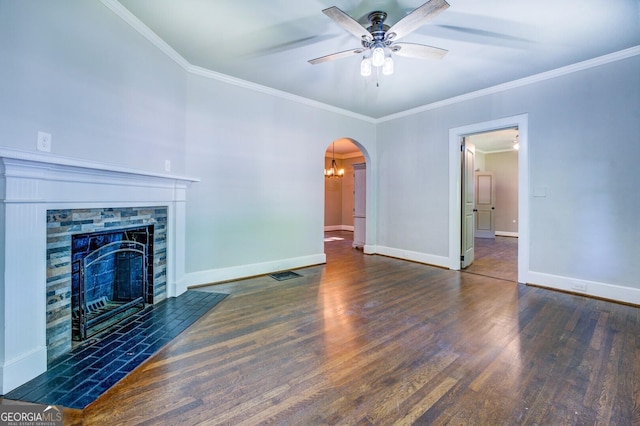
(123,247)
(111,271)
(45,200)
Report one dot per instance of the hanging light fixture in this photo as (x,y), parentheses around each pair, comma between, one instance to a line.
(377,57)
(334,171)
(516,144)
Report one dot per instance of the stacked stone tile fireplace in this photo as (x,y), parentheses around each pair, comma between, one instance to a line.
(98,238)
(45,200)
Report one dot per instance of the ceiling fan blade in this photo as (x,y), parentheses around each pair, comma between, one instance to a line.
(420,51)
(335,56)
(347,22)
(416,18)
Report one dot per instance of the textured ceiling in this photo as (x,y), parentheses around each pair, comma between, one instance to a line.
(489,42)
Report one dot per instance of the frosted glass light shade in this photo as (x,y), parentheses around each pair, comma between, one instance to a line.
(377,58)
(365,67)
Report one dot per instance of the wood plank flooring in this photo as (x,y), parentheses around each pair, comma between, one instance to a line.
(496,257)
(371,340)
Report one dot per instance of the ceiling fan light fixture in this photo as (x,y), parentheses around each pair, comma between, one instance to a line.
(365,67)
(377,57)
(387,66)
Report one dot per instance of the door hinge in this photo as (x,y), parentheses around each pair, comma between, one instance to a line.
(462,258)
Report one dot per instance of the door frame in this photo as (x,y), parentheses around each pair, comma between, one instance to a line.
(455,181)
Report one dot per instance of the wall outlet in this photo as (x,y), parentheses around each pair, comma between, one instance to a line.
(578,286)
(44,142)
(167,165)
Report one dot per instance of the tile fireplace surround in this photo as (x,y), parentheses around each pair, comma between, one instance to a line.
(32,184)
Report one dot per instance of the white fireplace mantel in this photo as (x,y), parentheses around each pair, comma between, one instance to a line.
(32,183)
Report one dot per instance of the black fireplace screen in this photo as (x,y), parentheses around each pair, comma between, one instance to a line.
(110,278)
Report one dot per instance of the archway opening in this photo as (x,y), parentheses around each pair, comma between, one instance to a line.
(344,194)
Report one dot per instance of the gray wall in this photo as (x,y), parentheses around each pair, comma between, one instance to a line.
(261,161)
(583,148)
(76,70)
(504,166)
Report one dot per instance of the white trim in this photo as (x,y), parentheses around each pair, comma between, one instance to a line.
(338,228)
(592,288)
(21,369)
(455,135)
(213,276)
(203,72)
(414,256)
(89,167)
(30,185)
(370,249)
(569,69)
(146,32)
(506,234)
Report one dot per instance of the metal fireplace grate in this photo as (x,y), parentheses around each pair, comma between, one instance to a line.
(110,277)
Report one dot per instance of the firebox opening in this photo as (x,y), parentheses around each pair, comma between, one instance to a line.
(111,279)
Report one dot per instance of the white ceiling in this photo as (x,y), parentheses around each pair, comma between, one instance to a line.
(495,141)
(489,42)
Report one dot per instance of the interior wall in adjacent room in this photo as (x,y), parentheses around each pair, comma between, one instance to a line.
(504,166)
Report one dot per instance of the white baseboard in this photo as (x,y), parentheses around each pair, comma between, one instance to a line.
(338,228)
(176,289)
(244,271)
(413,256)
(370,249)
(591,288)
(16,372)
(506,234)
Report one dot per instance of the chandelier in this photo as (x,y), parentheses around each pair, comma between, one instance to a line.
(334,171)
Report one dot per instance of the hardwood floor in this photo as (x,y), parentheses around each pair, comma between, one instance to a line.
(371,340)
(496,257)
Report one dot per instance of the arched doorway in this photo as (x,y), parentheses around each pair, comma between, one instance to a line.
(341,188)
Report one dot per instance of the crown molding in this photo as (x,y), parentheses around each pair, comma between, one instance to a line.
(569,69)
(116,7)
(196,70)
(145,31)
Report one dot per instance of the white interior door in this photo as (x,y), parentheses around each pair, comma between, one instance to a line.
(485,205)
(468,204)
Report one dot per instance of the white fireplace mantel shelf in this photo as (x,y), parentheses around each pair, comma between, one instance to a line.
(35,161)
(30,185)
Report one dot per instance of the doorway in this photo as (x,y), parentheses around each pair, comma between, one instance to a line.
(343,160)
(495,203)
(456,200)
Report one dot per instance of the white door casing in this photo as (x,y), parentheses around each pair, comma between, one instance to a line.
(468,203)
(522,123)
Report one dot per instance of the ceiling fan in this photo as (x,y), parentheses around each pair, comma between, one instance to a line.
(379,40)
